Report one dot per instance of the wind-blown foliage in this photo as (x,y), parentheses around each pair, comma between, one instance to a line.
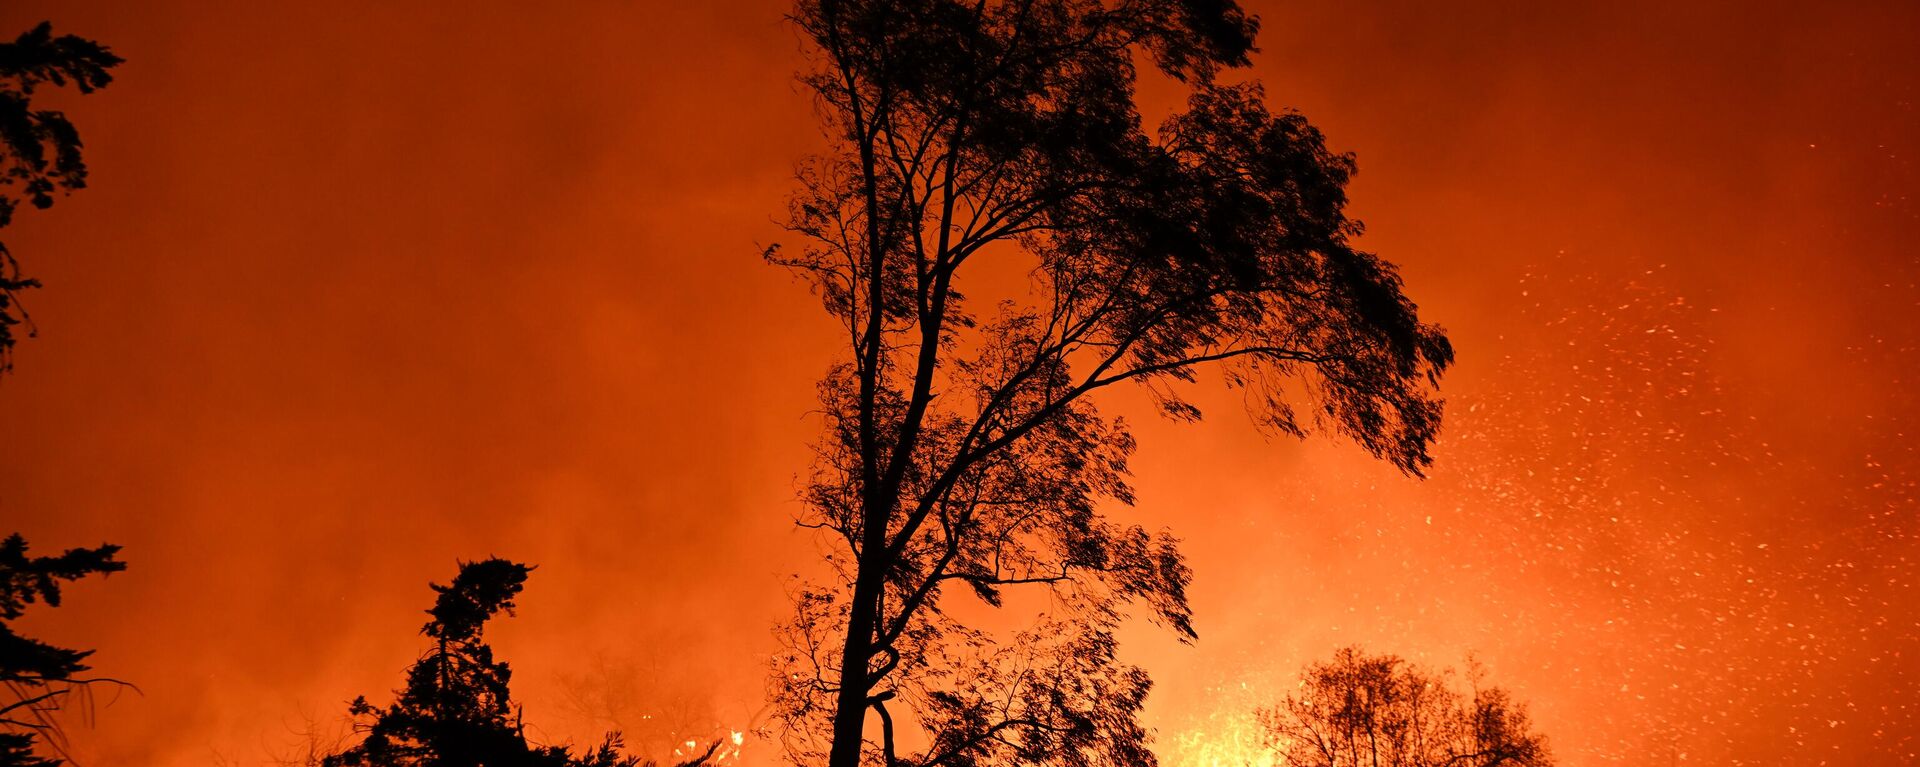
(39,148)
(40,677)
(962,447)
(1360,710)
(456,710)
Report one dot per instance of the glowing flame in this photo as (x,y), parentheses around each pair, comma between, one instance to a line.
(1223,739)
(726,751)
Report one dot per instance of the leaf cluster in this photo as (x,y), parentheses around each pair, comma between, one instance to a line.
(40,150)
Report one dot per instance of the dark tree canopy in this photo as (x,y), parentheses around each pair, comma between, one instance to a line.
(456,710)
(977,140)
(39,677)
(39,148)
(1361,710)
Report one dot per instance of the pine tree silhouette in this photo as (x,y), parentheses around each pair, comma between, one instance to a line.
(456,710)
(39,676)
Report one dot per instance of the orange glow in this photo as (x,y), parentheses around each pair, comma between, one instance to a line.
(361,290)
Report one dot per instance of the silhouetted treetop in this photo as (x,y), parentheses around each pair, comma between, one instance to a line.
(457,710)
(36,57)
(1361,710)
(39,148)
(480,590)
(1221,239)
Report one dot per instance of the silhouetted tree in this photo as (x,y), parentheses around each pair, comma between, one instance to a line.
(39,155)
(962,447)
(456,710)
(40,677)
(1362,710)
(39,148)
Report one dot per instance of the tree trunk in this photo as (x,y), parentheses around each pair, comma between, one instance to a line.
(850,709)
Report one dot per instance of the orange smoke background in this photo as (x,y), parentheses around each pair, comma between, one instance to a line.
(362,289)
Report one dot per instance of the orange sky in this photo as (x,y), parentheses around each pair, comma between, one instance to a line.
(361,290)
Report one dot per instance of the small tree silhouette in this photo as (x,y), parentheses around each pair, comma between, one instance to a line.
(39,148)
(40,677)
(456,710)
(1361,710)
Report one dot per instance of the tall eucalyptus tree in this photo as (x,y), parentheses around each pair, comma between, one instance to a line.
(976,139)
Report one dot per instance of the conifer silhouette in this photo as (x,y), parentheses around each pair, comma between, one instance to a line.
(39,677)
(456,709)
